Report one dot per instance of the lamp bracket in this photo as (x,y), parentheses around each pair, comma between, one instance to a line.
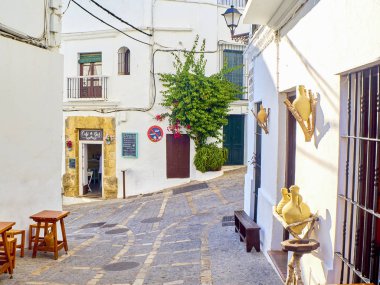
(243,38)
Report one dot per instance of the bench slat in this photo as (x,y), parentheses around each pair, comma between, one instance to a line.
(247,222)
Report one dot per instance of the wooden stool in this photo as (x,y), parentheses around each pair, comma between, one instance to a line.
(12,248)
(43,219)
(21,246)
(32,236)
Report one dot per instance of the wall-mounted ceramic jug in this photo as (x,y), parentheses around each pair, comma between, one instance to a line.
(302,103)
(262,115)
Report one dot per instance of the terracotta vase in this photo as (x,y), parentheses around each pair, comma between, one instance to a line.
(302,103)
(262,115)
(295,211)
(49,239)
(285,199)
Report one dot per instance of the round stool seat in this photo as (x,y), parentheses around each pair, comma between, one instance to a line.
(300,245)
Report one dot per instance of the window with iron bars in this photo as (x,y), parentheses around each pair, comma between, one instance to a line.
(360,196)
(235,3)
(232,55)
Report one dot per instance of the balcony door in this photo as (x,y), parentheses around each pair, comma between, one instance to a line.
(90,68)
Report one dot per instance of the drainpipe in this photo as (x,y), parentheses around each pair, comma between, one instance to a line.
(277,40)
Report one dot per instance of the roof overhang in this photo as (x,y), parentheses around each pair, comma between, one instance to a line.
(271,13)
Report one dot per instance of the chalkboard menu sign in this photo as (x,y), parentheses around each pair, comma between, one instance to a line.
(91,135)
(129,144)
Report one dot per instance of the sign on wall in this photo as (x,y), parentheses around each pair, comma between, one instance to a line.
(91,135)
(155,133)
(129,145)
(71,162)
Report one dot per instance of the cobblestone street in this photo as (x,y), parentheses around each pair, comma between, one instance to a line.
(172,237)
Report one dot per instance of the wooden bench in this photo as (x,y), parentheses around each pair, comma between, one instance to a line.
(248,230)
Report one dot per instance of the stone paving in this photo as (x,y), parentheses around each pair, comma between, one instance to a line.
(166,238)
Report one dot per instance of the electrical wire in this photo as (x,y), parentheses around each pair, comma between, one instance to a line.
(68,5)
(104,22)
(120,19)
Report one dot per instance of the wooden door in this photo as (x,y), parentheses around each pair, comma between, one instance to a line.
(84,162)
(177,156)
(90,87)
(233,136)
(257,165)
(290,167)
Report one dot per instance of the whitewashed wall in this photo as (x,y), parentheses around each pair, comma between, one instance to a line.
(23,16)
(312,51)
(31,127)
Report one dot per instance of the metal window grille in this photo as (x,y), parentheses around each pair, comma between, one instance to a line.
(234,58)
(235,3)
(361,194)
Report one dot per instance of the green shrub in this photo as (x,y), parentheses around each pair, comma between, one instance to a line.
(209,157)
(197,103)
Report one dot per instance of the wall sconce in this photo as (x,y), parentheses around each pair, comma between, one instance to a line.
(232,17)
(304,109)
(262,118)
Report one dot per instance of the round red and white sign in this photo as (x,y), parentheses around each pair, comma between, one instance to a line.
(155,133)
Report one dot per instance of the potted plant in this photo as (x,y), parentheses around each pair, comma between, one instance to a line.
(109,139)
(69,145)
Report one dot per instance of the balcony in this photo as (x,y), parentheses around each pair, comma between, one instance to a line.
(87,88)
(236,3)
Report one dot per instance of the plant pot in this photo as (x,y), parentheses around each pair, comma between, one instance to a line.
(69,148)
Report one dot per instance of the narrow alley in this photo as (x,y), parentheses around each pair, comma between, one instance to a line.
(172,237)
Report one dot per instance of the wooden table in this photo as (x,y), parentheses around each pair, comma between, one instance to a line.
(7,264)
(52,217)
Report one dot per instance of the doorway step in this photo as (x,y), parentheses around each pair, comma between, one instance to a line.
(279,259)
(79,200)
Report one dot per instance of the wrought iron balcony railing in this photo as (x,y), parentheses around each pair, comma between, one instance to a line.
(87,87)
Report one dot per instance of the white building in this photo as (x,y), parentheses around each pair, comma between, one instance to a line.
(112,87)
(330,47)
(31,114)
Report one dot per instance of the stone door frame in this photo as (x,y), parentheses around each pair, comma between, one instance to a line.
(71,177)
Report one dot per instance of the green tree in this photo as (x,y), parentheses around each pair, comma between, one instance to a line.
(197,103)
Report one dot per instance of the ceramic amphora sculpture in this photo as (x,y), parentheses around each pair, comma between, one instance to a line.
(285,199)
(262,115)
(302,103)
(296,210)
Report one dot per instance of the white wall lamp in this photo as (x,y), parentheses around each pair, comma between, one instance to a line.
(232,17)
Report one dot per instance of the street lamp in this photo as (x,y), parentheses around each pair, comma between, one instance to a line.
(232,17)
